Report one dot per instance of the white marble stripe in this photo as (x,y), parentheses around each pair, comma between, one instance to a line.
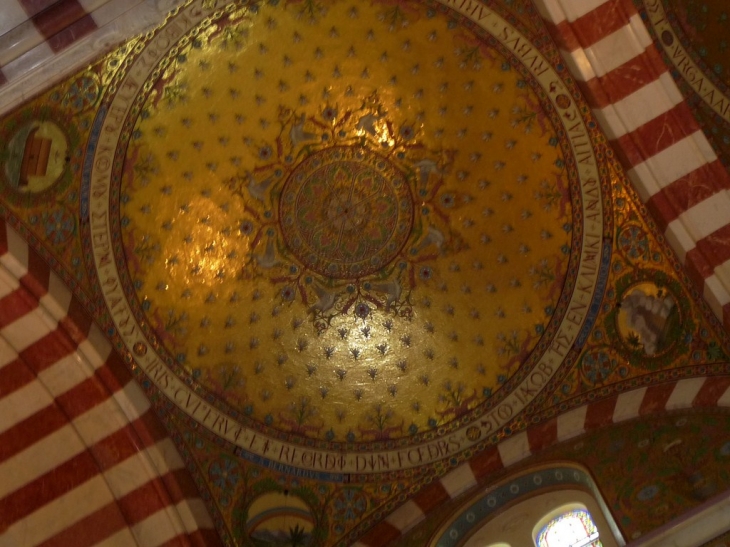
(23,403)
(132,401)
(558,11)
(59,514)
(13,14)
(457,481)
(8,282)
(406,516)
(715,290)
(194,515)
(514,449)
(7,353)
(724,400)
(578,64)
(122,538)
(96,348)
(58,298)
(672,163)
(619,47)
(38,459)
(28,329)
(164,457)
(707,216)
(640,107)
(572,423)
(65,374)
(102,420)
(628,405)
(19,40)
(159,527)
(91,6)
(679,239)
(142,467)
(16,259)
(28,60)
(684,393)
(113,9)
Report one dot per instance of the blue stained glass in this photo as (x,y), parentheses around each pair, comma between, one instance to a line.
(572,529)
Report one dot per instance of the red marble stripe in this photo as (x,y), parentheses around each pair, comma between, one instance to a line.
(31,430)
(3,80)
(542,435)
(83,397)
(59,481)
(486,462)
(38,276)
(15,305)
(48,350)
(13,376)
(177,541)
(114,373)
(73,32)
(116,447)
(698,267)
(204,537)
(381,535)
(563,35)
(711,391)
(726,316)
(151,426)
(180,485)
(103,455)
(656,135)
(3,225)
(431,497)
(656,397)
(600,413)
(90,530)
(602,21)
(144,501)
(623,80)
(686,192)
(715,248)
(77,322)
(54,18)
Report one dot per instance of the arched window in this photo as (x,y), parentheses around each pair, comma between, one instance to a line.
(571,529)
(555,505)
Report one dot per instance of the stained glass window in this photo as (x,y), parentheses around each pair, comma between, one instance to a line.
(572,529)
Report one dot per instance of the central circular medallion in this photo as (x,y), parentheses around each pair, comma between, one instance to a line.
(346,212)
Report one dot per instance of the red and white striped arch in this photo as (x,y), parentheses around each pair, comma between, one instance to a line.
(43,41)
(702,392)
(83,458)
(608,49)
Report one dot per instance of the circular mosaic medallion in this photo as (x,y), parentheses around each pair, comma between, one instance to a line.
(37,155)
(371,252)
(346,212)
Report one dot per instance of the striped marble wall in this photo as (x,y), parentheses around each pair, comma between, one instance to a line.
(83,458)
(42,41)
(644,401)
(609,51)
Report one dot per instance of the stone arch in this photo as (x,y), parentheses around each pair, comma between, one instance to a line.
(627,404)
(83,456)
(619,68)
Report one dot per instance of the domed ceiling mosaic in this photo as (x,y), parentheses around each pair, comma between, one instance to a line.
(346,246)
(334,216)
